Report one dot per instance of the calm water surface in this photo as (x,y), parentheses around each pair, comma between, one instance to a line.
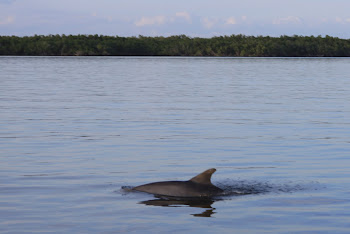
(74,130)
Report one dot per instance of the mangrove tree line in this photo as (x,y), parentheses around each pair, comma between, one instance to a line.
(181,45)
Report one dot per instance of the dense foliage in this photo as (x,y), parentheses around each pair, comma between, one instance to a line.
(235,45)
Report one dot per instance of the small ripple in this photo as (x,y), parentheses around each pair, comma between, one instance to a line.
(246,187)
(40,175)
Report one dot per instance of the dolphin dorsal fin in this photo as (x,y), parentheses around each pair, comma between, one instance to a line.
(204,177)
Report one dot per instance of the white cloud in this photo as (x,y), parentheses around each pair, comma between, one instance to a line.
(106,18)
(7,20)
(288,20)
(185,15)
(231,20)
(324,20)
(157,20)
(339,20)
(208,23)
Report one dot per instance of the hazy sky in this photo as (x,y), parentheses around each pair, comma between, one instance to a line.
(204,18)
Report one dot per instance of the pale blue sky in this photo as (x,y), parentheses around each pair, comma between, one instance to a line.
(202,18)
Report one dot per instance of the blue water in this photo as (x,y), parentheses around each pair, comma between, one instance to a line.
(75,130)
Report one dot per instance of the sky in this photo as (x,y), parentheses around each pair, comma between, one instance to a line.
(194,18)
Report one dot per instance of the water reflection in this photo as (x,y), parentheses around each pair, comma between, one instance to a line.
(172,202)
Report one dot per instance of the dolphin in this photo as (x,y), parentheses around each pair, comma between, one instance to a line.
(198,186)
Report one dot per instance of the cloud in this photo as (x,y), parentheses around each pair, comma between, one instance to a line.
(208,23)
(7,20)
(184,15)
(156,20)
(98,17)
(288,20)
(231,20)
(339,20)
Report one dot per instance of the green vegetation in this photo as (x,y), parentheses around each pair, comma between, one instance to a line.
(235,45)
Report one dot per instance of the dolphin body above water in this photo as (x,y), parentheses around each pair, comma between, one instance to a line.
(198,186)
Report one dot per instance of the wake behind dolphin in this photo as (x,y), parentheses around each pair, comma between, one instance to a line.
(198,186)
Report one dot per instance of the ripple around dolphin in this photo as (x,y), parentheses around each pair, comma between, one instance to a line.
(251,187)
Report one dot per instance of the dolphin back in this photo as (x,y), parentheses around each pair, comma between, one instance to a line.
(198,186)
(179,189)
